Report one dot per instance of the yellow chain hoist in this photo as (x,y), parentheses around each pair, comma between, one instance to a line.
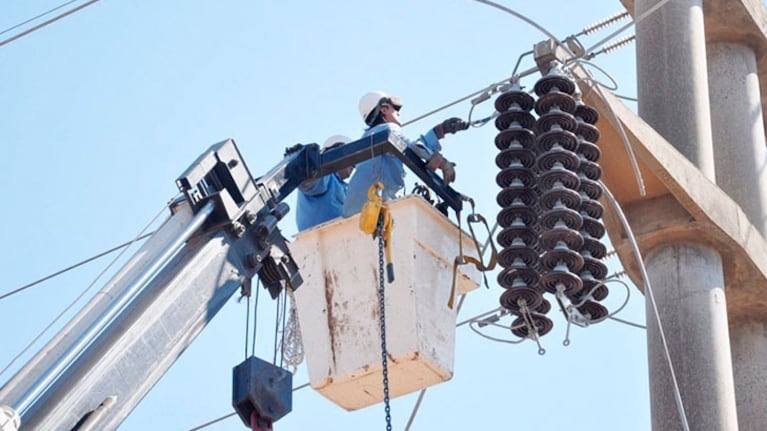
(373,212)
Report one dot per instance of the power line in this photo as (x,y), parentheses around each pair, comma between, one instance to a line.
(45,23)
(38,16)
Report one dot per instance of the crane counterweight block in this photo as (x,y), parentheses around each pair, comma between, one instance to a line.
(263,388)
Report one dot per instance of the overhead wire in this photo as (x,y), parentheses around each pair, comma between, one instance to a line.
(46,23)
(36,17)
(88,288)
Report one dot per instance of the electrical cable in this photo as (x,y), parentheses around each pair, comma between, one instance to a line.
(649,292)
(69,268)
(88,288)
(37,16)
(214,421)
(45,23)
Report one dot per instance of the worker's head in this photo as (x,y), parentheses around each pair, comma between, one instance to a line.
(378,107)
(336,141)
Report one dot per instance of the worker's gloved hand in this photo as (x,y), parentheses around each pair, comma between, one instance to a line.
(451,125)
(437,161)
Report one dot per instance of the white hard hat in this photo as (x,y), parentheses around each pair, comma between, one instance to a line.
(371,101)
(335,141)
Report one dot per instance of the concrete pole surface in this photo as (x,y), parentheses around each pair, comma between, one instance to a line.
(749,349)
(688,285)
(738,130)
(672,82)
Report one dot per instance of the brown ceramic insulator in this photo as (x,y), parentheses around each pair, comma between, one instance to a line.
(515,154)
(516,176)
(560,233)
(560,195)
(515,297)
(516,196)
(555,100)
(568,159)
(593,227)
(509,215)
(594,311)
(558,176)
(593,247)
(571,218)
(518,275)
(556,118)
(557,137)
(601,291)
(587,131)
(551,282)
(543,325)
(544,308)
(591,169)
(554,82)
(591,207)
(516,116)
(519,231)
(597,269)
(518,250)
(587,113)
(592,188)
(515,134)
(514,97)
(562,255)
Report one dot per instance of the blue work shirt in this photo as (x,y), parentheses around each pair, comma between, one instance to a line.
(320,200)
(386,168)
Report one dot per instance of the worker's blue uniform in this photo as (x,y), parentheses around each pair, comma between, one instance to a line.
(386,168)
(320,200)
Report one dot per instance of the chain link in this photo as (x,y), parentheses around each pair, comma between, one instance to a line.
(382,306)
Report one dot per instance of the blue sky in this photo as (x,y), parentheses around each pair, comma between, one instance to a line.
(100,112)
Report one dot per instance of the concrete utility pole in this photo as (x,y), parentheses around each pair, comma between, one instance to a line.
(700,226)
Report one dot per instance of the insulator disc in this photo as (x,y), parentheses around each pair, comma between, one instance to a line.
(591,207)
(554,82)
(514,97)
(553,118)
(587,113)
(509,277)
(507,215)
(594,247)
(590,187)
(525,138)
(549,238)
(521,174)
(562,255)
(514,298)
(594,311)
(595,266)
(558,177)
(600,293)
(507,196)
(544,308)
(593,227)
(524,156)
(552,280)
(509,255)
(591,169)
(567,197)
(524,119)
(568,159)
(543,326)
(569,217)
(565,139)
(587,131)
(525,233)
(555,100)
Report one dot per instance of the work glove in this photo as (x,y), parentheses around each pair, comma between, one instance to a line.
(437,161)
(451,125)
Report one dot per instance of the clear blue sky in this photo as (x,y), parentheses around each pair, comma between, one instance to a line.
(100,112)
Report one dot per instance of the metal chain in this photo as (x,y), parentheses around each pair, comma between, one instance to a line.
(382,306)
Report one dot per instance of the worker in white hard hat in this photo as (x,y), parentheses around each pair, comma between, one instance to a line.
(322,199)
(380,112)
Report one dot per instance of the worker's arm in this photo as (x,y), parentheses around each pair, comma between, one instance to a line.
(315,186)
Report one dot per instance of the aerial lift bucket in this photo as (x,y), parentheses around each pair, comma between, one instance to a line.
(338,306)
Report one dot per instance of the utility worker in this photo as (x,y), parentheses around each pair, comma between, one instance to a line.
(381,112)
(322,199)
